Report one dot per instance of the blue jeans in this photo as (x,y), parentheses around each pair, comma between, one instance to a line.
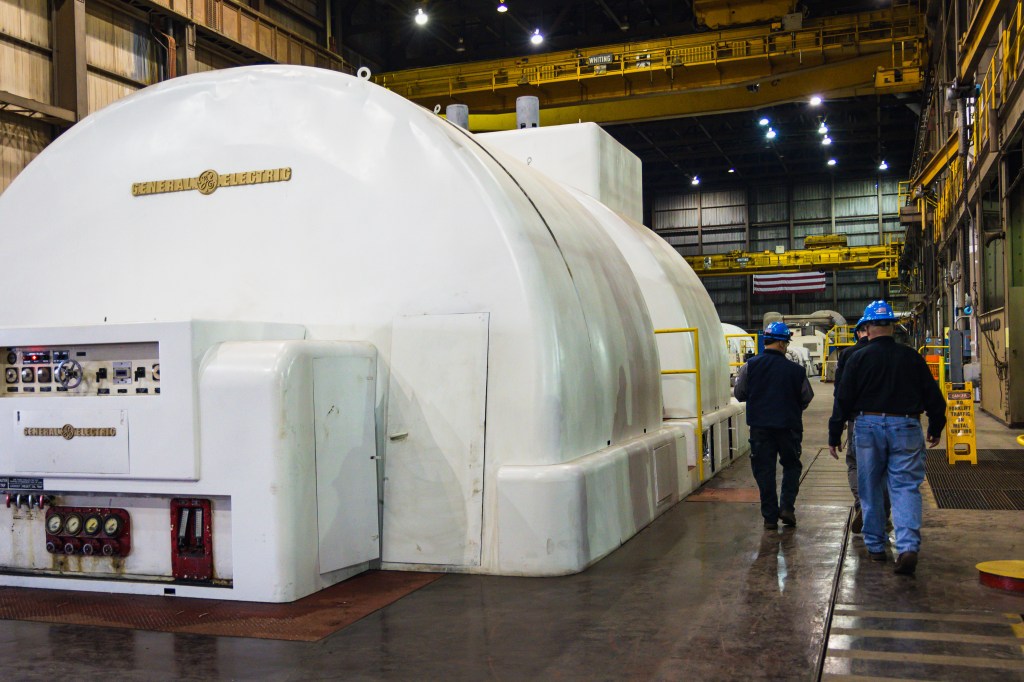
(890,450)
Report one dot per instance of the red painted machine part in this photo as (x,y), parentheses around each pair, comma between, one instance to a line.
(119,545)
(191,552)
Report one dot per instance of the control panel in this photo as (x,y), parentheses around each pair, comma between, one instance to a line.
(90,531)
(80,370)
(191,539)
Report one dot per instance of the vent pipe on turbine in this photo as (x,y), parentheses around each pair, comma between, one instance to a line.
(458,114)
(527,112)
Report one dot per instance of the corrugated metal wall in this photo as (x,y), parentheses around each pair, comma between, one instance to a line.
(121,54)
(24,71)
(761,218)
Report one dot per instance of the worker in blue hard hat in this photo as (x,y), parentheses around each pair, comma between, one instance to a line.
(836,426)
(777,392)
(887,386)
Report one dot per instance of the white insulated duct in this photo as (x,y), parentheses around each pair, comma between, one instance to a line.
(518,402)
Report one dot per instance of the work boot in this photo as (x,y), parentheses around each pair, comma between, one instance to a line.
(877,556)
(788,517)
(858,521)
(771,525)
(906,564)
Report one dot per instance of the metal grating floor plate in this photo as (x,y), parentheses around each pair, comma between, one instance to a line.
(996,482)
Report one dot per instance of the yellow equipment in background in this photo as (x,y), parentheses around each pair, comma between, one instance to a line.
(961,439)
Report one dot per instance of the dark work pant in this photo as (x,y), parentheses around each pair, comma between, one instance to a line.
(766,447)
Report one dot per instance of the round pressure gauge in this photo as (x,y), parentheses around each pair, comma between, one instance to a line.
(54,523)
(11,375)
(28,375)
(92,525)
(112,526)
(44,375)
(12,357)
(73,524)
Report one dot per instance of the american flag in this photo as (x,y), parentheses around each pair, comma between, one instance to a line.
(793,283)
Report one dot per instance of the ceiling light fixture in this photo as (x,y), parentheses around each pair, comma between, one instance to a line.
(502,7)
(536,38)
(883,165)
(763,122)
(732,170)
(770,134)
(826,140)
(695,181)
(832,162)
(815,100)
(823,129)
(461,46)
(421,17)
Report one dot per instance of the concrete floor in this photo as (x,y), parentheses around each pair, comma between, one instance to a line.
(703,593)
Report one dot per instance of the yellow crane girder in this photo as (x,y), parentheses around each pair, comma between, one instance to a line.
(883,50)
(884,259)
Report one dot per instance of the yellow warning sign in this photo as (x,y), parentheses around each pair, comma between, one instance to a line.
(961,441)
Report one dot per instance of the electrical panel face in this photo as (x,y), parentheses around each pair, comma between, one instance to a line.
(82,370)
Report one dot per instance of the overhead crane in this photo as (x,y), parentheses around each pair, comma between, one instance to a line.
(870,52)
(824,253)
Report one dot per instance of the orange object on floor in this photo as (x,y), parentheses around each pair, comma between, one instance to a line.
(306,620)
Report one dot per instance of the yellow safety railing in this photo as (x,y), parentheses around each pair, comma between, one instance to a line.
(1002,73)
(836,337)
(753,345)
(700,405)
(941,363)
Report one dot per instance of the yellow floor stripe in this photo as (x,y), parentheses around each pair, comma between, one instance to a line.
(928,636)
(995,619)
(930,659)
(866,678)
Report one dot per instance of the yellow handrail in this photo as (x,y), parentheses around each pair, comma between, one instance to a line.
(844,336)
(700,406)
(752,337)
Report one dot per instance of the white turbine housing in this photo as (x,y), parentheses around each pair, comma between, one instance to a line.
(354,335)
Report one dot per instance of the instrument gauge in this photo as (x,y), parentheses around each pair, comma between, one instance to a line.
(28,375)
(44,375)
(92,525)
(12,357)
(11,375)
(54,524)
(112,526)
(73,524)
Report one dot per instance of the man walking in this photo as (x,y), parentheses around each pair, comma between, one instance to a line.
(836,426)
(887,386)
(776,391)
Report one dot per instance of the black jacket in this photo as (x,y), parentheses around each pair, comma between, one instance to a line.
(892,378)
(776,391)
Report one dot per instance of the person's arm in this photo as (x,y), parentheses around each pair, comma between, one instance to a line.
(740,390)
(840,366)
(836,424)
(806,394)
(934,404)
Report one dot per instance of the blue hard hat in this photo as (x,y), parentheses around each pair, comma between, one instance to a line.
(859,327)
(777,331)
(878,311)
